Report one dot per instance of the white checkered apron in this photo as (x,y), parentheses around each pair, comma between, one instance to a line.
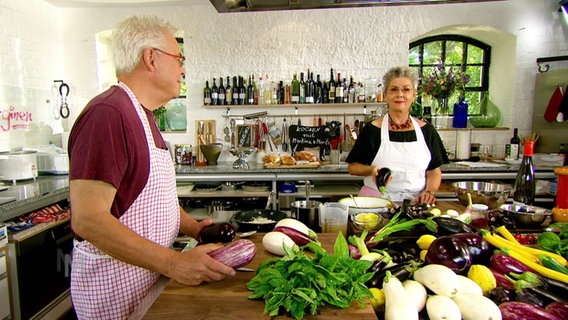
(106,288)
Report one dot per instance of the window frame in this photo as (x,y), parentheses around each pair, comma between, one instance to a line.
(466,42)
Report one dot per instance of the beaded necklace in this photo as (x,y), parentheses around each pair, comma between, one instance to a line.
(397,127)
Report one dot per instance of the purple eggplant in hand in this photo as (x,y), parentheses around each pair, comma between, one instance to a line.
(383,178)
(450,252)
(478,247)
(217,232)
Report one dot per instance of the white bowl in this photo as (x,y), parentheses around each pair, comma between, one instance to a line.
(367,204)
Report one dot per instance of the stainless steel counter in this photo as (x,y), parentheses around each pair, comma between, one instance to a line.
(31,195)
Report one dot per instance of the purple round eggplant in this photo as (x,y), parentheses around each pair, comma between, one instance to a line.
(478,247)
(450,252)
(217,232)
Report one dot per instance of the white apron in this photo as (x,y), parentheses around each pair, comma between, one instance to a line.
(408,162)
(105,288)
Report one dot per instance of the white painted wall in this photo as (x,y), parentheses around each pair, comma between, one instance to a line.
(40,43)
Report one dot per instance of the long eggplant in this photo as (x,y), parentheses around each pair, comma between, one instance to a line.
(450,252)
(448,226)
(558,308)
(501,280)
(236,254)
(401,271)
(523,311)
(506,264)
(299,237)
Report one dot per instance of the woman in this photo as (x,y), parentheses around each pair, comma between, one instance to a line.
(410,147)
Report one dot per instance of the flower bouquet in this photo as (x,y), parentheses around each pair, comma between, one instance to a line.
(441,83)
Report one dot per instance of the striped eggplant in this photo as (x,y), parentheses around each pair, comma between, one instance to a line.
(236,254)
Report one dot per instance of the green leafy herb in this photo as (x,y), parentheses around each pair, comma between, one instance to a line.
(300,283)
(394,225)
(557,243)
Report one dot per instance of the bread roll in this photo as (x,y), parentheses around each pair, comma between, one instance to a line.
(271,159)
(305,155)
(287,160)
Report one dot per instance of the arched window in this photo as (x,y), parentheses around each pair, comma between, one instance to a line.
(459,53)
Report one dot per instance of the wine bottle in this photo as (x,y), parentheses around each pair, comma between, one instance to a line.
(310,88)
(250,92)
(302,88)
(295,89)
(221,98)
(228,92)
(339,89)
(427,114)
(524,183)
(242,91)
(207,94)
(214,93)
(325,92)
(351,94)
(331,88)
(512,148)
(236,91)
(318,93)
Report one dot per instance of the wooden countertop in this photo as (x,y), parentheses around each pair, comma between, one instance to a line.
(228,300)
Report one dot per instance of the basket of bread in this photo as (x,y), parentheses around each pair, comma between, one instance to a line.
(301,159)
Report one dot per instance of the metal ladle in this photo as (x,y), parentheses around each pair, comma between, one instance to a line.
(354,201)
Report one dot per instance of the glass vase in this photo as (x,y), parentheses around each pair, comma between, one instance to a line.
(489,117)
(442,109)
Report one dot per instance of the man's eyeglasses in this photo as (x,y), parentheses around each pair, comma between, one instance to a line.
(179,58)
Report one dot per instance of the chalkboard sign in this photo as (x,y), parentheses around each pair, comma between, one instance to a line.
(303,136)
(244,135)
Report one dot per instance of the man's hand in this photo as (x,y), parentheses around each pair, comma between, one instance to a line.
(195,266)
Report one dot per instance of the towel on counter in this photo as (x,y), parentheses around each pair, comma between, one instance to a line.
(480,164)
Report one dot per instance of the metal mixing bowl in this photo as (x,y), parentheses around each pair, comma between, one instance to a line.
(528,216)
(491,194)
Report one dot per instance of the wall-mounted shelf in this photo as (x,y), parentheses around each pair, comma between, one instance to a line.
(303,105)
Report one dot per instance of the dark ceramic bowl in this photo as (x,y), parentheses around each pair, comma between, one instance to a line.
(258,220)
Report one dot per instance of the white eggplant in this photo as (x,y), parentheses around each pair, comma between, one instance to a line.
(275,241)
(477,307)
(298,225)
(469,286)
(396,304)
(416,293)
(438,278)
(441,307)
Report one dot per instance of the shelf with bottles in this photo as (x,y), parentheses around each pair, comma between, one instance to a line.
(298,105)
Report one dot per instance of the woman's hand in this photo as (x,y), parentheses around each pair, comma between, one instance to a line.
(426,197)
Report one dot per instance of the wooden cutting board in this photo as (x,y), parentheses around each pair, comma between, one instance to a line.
(314,164)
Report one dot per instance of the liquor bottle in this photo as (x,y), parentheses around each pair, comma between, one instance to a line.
(524,183)
(280,92)
(379,93)
(255,91)
(512,148)
(427,115)
(360,92)
(242,91)
(331,88)
(295,89)
(302,88)
(236,91)
(221,100)
(207,94)
(214,93)
(250,92)
(228,92)
(339,90)
(267,92)
(318,93)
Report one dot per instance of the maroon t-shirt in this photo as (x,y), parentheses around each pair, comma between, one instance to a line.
(108,143)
